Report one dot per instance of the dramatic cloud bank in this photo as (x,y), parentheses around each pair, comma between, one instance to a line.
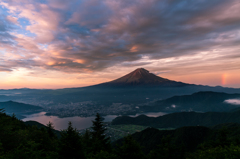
(84,36)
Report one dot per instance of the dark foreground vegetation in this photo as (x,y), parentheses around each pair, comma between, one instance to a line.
(20,141)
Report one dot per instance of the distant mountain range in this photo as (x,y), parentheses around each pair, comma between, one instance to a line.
(138,86)
(138,89)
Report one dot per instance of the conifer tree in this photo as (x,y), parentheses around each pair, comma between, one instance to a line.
(130,149)
(50,129)
(101,142)
(71,144)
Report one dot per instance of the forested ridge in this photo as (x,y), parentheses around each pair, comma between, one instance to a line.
(180,119)
(20,141)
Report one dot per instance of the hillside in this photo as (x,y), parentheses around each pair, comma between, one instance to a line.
(186,139)
(15,107)
(180,119)
(24,140)
(200,101)
(39,125)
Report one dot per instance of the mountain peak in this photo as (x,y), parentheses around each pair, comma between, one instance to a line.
(138,74)
(142,76)
(141,70)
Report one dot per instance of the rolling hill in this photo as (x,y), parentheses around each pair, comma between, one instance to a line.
(180,119)
(18,108)
(200,101)
(185,138)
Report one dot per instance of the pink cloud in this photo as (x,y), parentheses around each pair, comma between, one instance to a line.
(12,19)
(44,21)
(94,34)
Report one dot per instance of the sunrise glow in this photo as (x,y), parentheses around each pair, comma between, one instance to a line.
(59,44)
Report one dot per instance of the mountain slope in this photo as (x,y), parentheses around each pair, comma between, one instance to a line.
(186,137)
(143,77)
(15,107)
(39,125)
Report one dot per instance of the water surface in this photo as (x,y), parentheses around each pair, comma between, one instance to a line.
(78,122)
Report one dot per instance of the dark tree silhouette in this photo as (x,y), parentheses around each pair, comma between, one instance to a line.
(100,141)
(130,149)
(71,144)
(50,129)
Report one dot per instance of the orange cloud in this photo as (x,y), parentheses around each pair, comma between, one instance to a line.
(79,61)
(134,49)
(50,63)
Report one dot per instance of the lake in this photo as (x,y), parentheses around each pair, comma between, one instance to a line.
(78,122)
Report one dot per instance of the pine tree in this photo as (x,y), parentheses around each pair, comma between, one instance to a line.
(130,149)
(50,129)
(101,142)
(71,144)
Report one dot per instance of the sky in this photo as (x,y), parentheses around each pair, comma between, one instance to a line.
(61,44)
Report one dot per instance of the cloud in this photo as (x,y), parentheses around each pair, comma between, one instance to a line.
(14,20)
(93,35)
(233,101)
(3,69)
